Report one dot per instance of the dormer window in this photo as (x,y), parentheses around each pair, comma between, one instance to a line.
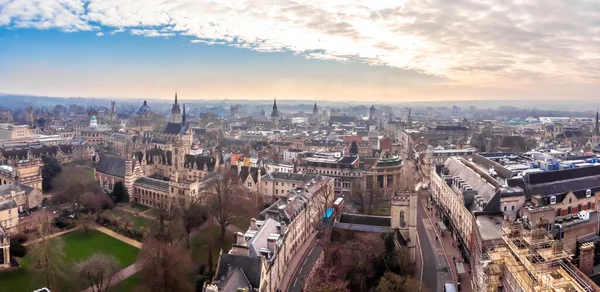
(588,193)
(552,200)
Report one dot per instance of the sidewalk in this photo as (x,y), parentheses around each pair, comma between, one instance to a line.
(294,263)
(121,275)
(452,252)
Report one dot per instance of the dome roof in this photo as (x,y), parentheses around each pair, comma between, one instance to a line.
(144,109)
(93,118)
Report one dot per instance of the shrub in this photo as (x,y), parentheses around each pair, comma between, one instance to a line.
(17,249)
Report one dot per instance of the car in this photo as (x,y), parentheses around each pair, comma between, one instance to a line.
(320,234)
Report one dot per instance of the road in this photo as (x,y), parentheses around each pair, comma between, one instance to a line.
(429,260)
(305,267)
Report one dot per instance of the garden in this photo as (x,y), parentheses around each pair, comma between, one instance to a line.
(78,245)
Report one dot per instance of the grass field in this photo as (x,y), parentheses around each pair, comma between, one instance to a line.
(381,210)
(201,242)
(127,285)
(140,207)
(78,246)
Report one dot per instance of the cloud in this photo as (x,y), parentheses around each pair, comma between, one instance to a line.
(150,33)
(99,34)
(476,43)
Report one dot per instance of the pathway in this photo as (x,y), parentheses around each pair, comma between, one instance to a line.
(53,235)
(118,236)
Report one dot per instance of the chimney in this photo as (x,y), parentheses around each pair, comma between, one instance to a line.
(241,240)
(253,225)
(283,228)
(586,258)
(211,288)
(271,243)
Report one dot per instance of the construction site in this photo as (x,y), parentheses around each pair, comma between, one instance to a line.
(532,260)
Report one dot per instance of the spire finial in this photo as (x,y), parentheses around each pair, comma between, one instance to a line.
(175,97)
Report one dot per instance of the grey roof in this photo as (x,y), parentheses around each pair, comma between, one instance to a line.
(7,204)
(16,187)
(111,165)
(302,177)
(362,228)
(367,220)
(251,266)
(236,279)
(153,183)
(259,240)
(175,128)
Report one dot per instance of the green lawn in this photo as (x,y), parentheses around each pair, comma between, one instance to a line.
(127,285)
(78,246)
(140,207)
(201,241)
(381,210)
(139,222)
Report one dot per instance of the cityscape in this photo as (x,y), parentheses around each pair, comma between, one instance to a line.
(275,146)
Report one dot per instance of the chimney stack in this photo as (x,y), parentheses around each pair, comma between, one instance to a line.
(283,228)
(240,238)
(271,243)
(253,225)
(586,258)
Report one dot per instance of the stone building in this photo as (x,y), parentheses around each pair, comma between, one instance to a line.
(260,255)
(25,197)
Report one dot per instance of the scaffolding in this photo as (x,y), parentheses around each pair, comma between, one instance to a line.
(536,262)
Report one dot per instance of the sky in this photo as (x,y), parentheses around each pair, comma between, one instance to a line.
(340,50)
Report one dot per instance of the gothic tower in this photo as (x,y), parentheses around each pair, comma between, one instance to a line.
(176,111)
(372,112)
(315,109)
(275,114)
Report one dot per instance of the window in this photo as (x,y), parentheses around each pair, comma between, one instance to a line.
(276,183)
(249,184)
(569,210)
(589,205)
(9,211)
(512,208)
(558,212)
(276,191)
(570,200)
(579,208)
(505,208)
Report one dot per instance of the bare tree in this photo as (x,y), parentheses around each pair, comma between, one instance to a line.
(168,217)
(375,196)
(323,279)
(321,201)
(72,186)
(226,199)
(165,268)
(357,196)
(192,213)
(98,272)
(47,252)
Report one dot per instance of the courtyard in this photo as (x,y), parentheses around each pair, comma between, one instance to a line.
(78,246)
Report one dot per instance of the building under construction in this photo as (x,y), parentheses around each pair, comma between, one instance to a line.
(532,260)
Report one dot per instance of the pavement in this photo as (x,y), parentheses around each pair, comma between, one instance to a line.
(306,266)
(294,268)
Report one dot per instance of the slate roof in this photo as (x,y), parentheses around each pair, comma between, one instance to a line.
(7,204)
(235,280)
(251,266)
(111,165)
(451,128)
(153,183)
(175,128)
(259,240)
(19,154)
(561,175)
(302,177)
(369,220)
(199,162)
(16,187)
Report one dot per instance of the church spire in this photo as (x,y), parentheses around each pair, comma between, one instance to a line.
(175,97)
(597,126)
(183,116)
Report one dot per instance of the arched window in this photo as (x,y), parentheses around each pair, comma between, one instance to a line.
(402,221)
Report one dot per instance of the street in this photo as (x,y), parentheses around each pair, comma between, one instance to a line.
(305,267)
(429,260)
